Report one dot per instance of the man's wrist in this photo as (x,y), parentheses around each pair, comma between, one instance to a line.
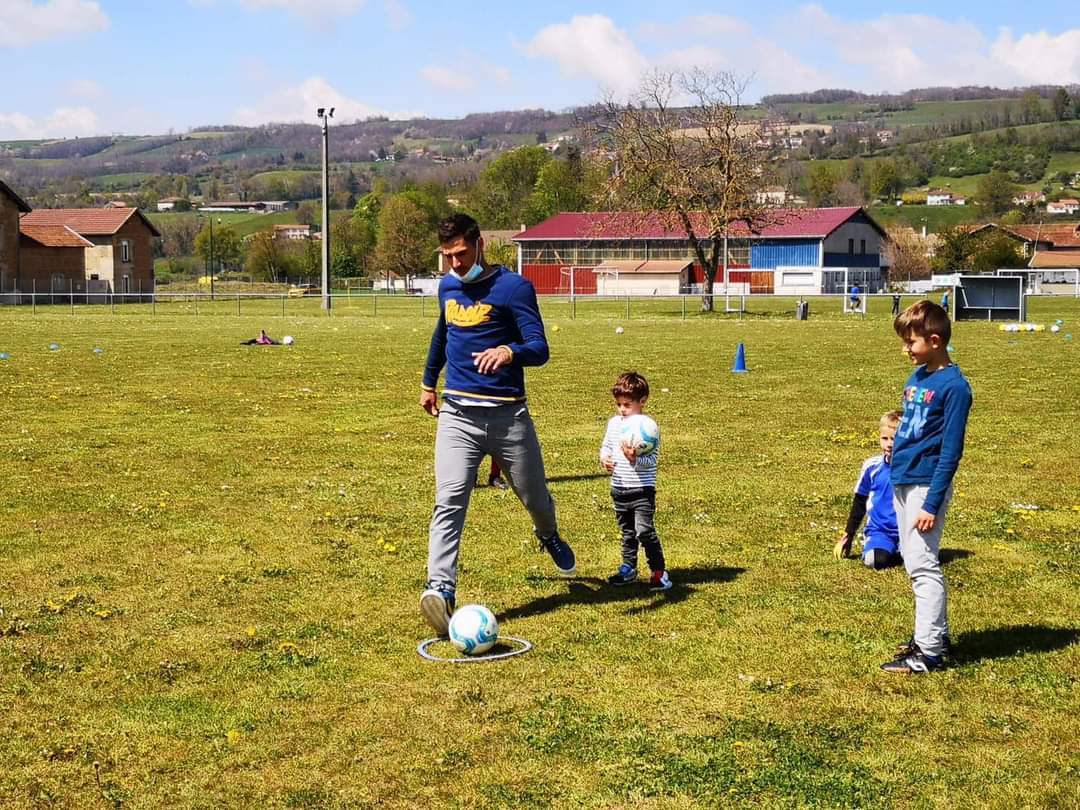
(429,388)
(509,351)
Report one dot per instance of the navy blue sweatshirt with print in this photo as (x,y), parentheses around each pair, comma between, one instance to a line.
(930,439)
(500,310)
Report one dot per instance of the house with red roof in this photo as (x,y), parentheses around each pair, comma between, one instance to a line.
(118,254)
(52,259)
(638,253)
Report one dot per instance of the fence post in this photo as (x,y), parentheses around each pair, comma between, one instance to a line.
(33,298)
(238,304)
(683,297)
(375,304)
(628,306)
(196,304)
(283,297)
(71,294)
(153,301)
(112,300)
(423,305)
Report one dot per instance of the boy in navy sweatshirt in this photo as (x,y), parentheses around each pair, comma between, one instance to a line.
(489,330)
(926,454)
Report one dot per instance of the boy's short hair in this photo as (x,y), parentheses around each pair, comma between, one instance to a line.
(924,318)
(457,225)
(631,384)
(891,419)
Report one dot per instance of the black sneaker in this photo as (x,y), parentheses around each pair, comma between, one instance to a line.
(910,646)
(914,663)
(498,482)
(624,576)
(437,606)
(561,554)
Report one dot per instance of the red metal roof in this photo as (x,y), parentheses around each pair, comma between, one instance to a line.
(1059,234)
(87,221)
(783,223)
(53,235)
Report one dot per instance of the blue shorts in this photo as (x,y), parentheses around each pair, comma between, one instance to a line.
(872,540)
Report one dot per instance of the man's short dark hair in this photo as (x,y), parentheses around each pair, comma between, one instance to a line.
(457,225)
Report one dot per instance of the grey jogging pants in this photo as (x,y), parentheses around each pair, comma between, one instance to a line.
(464,436)
(920,552)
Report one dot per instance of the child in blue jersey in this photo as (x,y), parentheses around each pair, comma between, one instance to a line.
(926,454)
(874,500)
(633,486)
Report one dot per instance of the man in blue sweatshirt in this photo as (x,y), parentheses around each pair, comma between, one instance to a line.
(926,454)
(489,330)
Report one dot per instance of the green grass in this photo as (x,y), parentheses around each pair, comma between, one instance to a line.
(199,607)
(935,217)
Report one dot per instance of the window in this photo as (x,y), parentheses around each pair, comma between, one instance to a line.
(851,246)
(126,281)
(125,250)
(862,246)
(93,276)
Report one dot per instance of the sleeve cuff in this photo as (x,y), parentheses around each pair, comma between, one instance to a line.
(509,349)
(429,388)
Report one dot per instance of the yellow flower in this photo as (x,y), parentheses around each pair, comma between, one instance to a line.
(232,736)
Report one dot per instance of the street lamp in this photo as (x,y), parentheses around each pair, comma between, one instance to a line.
(210,219)
(325,117)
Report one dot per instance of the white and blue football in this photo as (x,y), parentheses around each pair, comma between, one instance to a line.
(641,433)
(473,629)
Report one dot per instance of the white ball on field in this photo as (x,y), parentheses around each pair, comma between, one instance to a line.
(287,340)
(473,629)
(1055,328)
(619,330)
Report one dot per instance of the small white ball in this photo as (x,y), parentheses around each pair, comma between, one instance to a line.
(619,330)
(287,340)
(1055,328)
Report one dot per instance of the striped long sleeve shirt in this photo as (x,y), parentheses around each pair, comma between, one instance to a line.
(640,474)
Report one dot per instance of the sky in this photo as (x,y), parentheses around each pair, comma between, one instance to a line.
(94,67)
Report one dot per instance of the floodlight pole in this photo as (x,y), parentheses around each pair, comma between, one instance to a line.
(325,117)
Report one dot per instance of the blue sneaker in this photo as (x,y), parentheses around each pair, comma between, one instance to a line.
(561,553)
(437,606)
(624,576)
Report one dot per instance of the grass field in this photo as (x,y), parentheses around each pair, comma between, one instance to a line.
(212,554)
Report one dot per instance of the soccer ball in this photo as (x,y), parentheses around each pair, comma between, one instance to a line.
(619,330)
(287,340)
(473,629)
(1055,328)
(641,433)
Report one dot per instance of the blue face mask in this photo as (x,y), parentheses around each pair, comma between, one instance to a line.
(474,272)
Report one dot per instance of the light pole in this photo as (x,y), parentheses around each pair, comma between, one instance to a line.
(325,117)
(210,219)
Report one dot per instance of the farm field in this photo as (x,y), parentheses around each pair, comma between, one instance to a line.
(211,557)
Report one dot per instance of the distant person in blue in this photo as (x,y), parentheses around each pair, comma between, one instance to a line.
(926,455)
(489,331)
(945,301)
(873,500)
(855,293)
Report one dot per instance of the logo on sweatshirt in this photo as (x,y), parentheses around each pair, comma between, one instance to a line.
(916,409)
(467,316)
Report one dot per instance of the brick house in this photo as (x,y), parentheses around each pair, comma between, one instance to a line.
(11,207)
(52,259)
(120,258)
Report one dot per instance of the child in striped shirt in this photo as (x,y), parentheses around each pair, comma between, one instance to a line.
(633,486)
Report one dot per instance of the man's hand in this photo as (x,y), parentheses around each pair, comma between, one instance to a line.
(491,360)
(925,521)
(630,452)
(843,547)
(608,463)
(429,401)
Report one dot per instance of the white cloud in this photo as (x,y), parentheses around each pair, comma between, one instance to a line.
(84,88)
(25,22)
(64,122)
(444,78)
(700,25)
(1040,57)
(592,47)
(297,103)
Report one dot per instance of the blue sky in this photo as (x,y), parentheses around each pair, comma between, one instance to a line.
(89,67)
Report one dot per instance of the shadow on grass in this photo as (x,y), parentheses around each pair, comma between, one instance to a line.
(948,555)
(596,591)
(1005,642)
(555,479)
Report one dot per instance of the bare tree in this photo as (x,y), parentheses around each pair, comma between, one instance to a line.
(907,254)
(681,152)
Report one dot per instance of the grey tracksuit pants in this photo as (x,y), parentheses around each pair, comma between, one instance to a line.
(464,436)
(920,553)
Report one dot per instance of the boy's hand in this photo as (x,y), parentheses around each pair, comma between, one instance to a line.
(608,463)
(429,401)
(925,521)
(843,547)
(630,452)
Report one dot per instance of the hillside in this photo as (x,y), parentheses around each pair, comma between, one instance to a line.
(935,138)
